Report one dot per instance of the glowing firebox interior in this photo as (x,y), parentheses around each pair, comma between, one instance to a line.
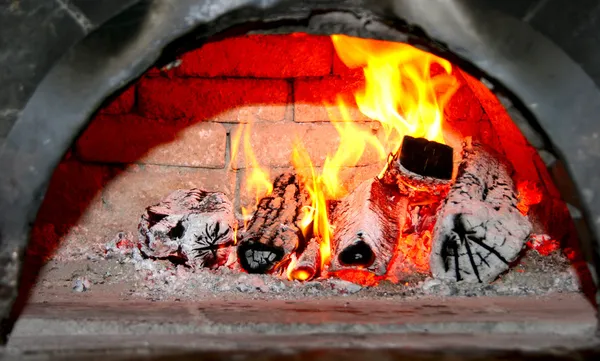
(405,91)
(374,94)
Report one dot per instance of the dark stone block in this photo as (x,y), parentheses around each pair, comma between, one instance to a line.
(33,35)
(100,11)
(427,158)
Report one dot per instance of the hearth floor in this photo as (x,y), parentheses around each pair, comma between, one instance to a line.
(565,321)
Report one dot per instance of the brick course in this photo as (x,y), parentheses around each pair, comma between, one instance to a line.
(261,56)
(130,139)
(221,100)
(315,99)
(463,105)
(272,144)
(339,68)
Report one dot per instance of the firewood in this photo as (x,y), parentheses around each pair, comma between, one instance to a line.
(426,158)
(420,168)
(308,264)
(193,225)
(272,233)
(366,227)
(479,230)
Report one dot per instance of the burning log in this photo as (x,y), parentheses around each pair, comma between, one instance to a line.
(479,229)
(308,264)
(272,234)
(426,158)
(193,225)
(423,170)
(367,225)
(420,165)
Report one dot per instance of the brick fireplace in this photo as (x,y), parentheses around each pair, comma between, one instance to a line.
(199,121)
(173,129)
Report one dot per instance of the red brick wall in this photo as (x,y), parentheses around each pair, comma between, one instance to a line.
(172,129)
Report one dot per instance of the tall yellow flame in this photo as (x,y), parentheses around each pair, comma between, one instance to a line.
(258,178)
(400,93)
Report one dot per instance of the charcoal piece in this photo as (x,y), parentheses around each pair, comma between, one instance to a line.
(367,225)
(479,230)
(272,234)
(193,225)
(427,158)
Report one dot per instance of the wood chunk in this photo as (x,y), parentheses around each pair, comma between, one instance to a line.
(193,225)
(479,230)
(426,158)
(433,160)
(308,264)
(272,233)
(367,225)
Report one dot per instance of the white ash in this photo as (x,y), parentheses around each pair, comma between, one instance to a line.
(133,276)
(81,285)
(161,280)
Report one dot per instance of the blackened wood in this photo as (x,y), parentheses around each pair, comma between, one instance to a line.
(194,225)
(426,158)
(308,264)
(272,233)
(417,187)
(479,229)
(366,227)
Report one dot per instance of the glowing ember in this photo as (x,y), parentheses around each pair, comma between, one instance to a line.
(543,244)
(529,194)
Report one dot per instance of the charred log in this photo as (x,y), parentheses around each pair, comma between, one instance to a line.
(272,233)
(367,225)
(308,264)
(194,225)
(422,169)
(426,158)
(479,229)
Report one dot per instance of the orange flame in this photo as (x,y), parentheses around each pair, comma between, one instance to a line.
(400,93)
(316,213)
(296,274)
(258,180)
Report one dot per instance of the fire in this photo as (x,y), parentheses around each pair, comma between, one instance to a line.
(315,220)
(400,93)
(258,180)
(296,274)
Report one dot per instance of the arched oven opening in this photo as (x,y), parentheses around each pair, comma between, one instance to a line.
(287,159)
